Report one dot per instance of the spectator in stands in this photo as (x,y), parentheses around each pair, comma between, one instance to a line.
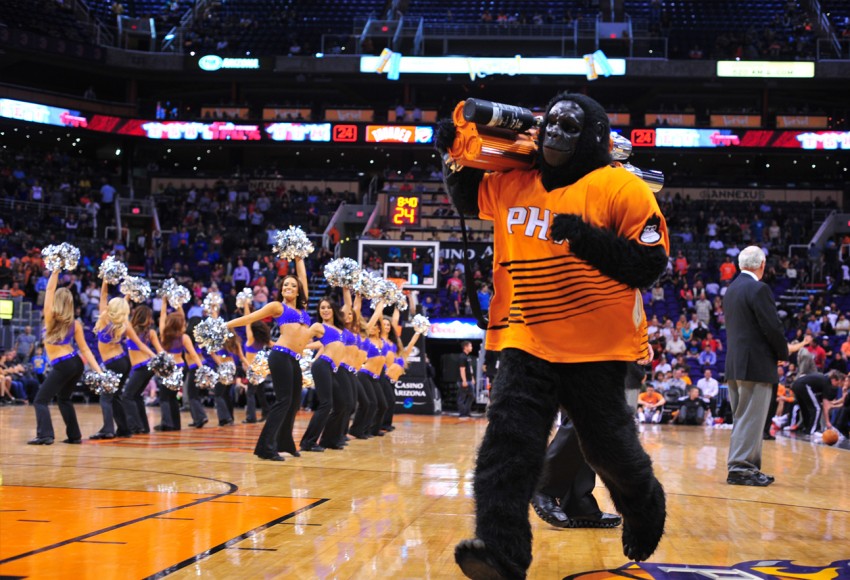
(707,358)
(650,404)
(454,285)
(709,389)
(703,309)
(692,409)
(681,264)
(676,345)
(25,344)
(657,293)
(241,275)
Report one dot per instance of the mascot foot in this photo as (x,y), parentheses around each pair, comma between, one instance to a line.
(476,562)
(642,529)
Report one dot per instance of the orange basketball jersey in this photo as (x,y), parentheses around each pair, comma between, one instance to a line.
(548,302)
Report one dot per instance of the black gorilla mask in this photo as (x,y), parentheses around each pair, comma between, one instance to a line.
(573,140)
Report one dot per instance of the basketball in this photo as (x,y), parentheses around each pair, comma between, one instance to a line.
(830,436)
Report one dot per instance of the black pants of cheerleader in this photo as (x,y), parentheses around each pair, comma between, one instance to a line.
(285,440)
(60,383)
(134,401)
(196,407)
(285,373)
(382,406)
(525,399)
(169,408)
(389,395)
(367,405)
(222,408)
(334,434)
(112,404)
(324,378)
(256,393)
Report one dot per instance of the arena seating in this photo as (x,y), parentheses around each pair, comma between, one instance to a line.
(44,17)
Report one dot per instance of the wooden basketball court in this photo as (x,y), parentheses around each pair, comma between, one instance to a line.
(197,503)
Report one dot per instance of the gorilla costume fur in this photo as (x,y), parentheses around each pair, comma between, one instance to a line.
(567,318)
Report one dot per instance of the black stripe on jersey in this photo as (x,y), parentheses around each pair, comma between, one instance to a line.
(563,289)
(565,313)
(540,304)
(570,279)
(500,327)
(561,269)
(537,261)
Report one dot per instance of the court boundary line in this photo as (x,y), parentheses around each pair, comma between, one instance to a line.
(233,488)
(230,543)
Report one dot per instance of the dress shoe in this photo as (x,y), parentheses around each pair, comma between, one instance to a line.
(334,447)
(73,441)
(125,435)
(600,520)
(756,479)
(198,425)
(768,437)
(97,436)
(295,454)
(313,448)
(274,457)
(165,428)
(547,508)
(41,441)
(225,423)
(248,421)
(770,478)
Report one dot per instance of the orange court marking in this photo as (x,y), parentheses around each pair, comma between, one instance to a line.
(52,532)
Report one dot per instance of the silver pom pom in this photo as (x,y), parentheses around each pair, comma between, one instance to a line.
(212,304)
(292,243)
(61,257)
(103,383)
(174,381)
(244,297)
(211,334)
(306,364)
(342,272)
(260,364)
(388,293)
(162,365)
(421,324)
(136,288)
(368,285)
(205,378)
(174,293)
(226,373)
(254,378)
(112,271)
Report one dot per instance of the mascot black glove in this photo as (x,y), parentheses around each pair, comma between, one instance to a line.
(568,226)
(445,136)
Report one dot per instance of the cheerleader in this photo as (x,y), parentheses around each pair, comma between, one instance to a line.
(295,333)
(140,353)
(397,366)
(366,423)
(390,347)
(347,385)
(61,330)
(110,328)
(230,352)
(258,337)
(175,341)
(325,366)
(191,390)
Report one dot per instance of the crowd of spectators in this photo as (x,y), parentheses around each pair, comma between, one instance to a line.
(217,237)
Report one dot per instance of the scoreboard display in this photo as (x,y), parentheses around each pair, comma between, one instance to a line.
(403,211)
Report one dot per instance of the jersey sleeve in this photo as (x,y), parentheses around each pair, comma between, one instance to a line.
(637,215)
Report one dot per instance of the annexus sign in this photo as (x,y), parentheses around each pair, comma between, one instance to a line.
(212,63)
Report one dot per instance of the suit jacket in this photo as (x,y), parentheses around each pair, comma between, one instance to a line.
(754,332)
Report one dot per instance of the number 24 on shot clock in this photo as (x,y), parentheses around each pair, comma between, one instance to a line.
(404,210)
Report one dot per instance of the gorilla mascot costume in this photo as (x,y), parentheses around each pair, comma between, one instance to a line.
(574,240)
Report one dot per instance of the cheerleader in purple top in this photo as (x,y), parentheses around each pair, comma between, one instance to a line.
(61,330)
(291,316)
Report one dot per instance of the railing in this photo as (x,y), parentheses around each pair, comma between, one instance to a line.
(396,44)
(419,39)
(826,49)
(28,207)
(825,25)
(326,238)
(539,31)
(101,35)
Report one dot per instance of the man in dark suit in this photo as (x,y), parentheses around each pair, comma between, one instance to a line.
(755,344)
